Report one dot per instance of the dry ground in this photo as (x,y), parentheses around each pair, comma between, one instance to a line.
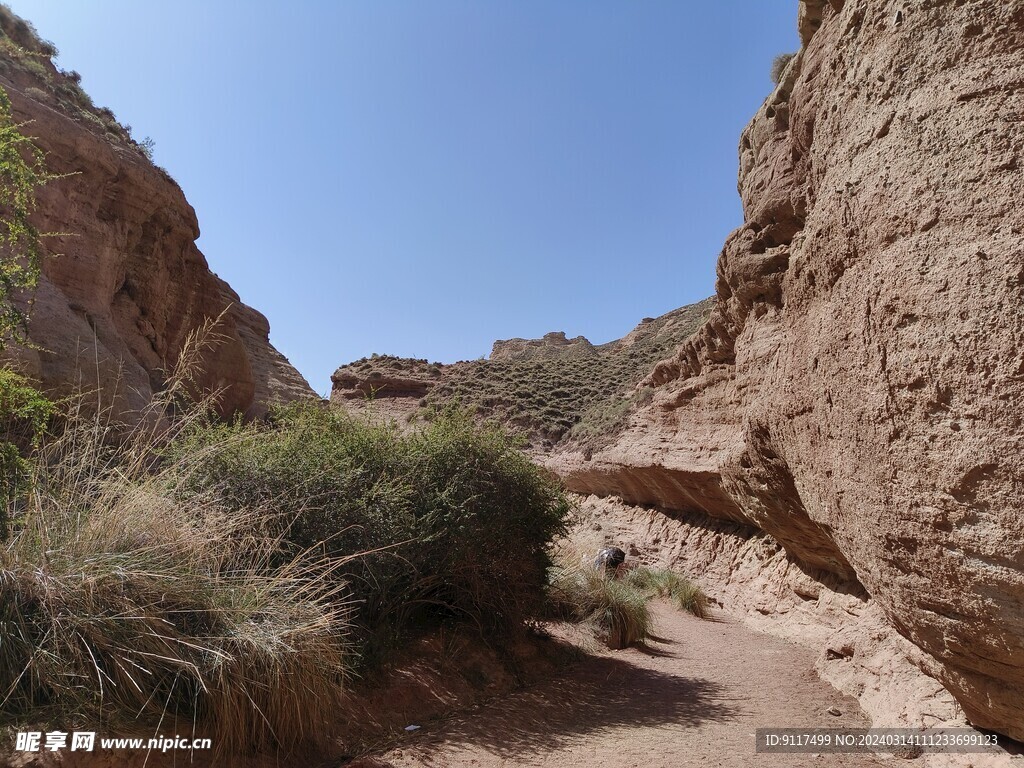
(692,698)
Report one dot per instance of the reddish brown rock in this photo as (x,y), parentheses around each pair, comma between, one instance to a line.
(858,391)
(129,285)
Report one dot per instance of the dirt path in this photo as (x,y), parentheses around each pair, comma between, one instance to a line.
(693,698)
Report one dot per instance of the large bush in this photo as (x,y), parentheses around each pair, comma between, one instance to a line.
(456,520)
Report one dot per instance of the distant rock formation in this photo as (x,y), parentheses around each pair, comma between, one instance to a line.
(553,346)
(551,390)
(129,285)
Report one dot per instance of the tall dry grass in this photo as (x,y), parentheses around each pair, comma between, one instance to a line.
(126,608)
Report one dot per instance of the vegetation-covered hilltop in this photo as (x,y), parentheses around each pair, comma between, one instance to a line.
(26,59)
(552,389)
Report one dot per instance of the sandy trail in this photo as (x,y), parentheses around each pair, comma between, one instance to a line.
(692,698)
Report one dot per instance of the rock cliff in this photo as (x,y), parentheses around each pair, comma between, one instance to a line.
(128,285)
(857,391)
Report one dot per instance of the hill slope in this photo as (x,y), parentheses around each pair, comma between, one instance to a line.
(553,390)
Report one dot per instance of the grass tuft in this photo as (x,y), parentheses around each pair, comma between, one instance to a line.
(661,582)
(616,608)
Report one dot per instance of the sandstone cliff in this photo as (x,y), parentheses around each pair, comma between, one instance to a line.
(857,391)
(129,285)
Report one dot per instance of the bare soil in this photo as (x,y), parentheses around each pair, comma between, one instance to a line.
(692,697)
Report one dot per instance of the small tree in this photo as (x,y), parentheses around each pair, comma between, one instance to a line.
(22,171)
(146,146)
(779,65)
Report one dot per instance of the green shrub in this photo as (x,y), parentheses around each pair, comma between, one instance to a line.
(146,147)
(457,519)
(24,413)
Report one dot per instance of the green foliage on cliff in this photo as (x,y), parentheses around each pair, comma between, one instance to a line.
(22,171)
(24,412)
(24,415)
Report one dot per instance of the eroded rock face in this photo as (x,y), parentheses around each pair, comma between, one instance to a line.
(115,308)
(858,391)
(554,345)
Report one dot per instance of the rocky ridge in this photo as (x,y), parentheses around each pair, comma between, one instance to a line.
(553,390)
(125,284)
(553,345)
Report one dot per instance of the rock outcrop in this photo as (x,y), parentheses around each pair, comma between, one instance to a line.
(554,345)
(115,307)
(858,391)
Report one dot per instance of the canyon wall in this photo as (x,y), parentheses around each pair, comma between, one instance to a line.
(123,284)
(857,391)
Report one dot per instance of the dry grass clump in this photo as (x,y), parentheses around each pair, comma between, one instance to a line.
(779,64)
(615,608)
(126,608)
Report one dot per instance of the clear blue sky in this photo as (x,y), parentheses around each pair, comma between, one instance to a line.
(423,177)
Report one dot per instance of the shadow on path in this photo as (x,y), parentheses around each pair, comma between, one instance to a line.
(600,693)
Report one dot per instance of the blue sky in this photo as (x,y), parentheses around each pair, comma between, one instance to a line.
(423,177)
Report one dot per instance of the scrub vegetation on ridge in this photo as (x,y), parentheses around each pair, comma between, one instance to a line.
(570,392)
